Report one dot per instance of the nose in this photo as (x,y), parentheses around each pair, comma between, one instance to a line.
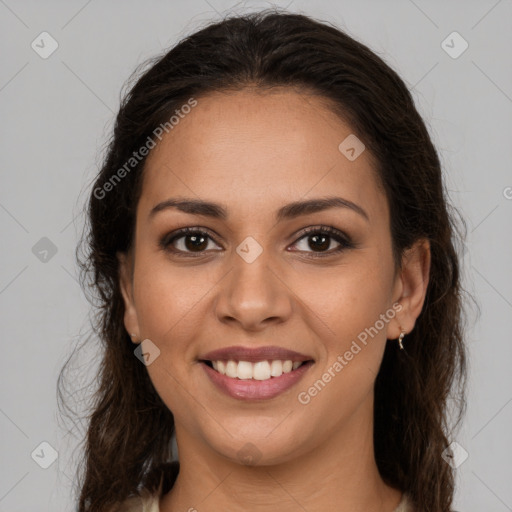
(253,295)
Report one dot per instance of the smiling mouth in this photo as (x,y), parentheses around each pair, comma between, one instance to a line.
(259,370)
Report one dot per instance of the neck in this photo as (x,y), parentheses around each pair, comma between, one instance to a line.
(341,471)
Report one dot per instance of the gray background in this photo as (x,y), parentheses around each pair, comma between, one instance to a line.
(58,112)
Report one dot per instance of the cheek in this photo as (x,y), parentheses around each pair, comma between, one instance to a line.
(346,298)
(350,301)
(351,309)
(165,299)
(167,306)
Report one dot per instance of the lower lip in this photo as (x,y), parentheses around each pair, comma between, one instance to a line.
(251,389)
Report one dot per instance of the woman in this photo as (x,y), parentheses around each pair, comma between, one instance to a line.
(275,262)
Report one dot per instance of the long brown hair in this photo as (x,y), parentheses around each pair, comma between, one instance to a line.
(128,445)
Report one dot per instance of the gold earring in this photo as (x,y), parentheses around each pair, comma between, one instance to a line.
(133,336)
(400,338)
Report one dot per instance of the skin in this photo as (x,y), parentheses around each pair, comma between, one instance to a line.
(254,152)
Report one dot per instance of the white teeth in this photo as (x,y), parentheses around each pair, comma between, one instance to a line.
(221,367)
(231,369)
(244,370)
(276,368)
(261,370)
(287,366)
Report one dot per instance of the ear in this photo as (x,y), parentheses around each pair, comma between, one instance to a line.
(131,322)
(411,287)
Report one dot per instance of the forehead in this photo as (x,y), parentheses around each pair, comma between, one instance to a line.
(245,147)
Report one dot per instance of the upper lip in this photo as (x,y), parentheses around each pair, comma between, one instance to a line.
(253,355)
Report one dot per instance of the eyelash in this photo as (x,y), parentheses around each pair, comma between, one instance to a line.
(338,236)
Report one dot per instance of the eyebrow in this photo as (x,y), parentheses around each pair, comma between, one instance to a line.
(289,211)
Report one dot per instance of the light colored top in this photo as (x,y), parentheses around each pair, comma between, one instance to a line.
(403,506)
(152,504)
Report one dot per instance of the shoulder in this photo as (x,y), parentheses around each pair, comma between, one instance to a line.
(165,475)
(405,504)
(147,503)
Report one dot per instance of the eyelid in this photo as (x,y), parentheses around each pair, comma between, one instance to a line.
(339,236)
(167,239)
(322,228)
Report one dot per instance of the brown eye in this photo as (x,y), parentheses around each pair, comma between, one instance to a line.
(319,240)
(187,241)
(195,242)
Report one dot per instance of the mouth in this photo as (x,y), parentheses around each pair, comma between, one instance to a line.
(255,374)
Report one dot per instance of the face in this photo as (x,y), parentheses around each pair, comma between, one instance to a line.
(313,281)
